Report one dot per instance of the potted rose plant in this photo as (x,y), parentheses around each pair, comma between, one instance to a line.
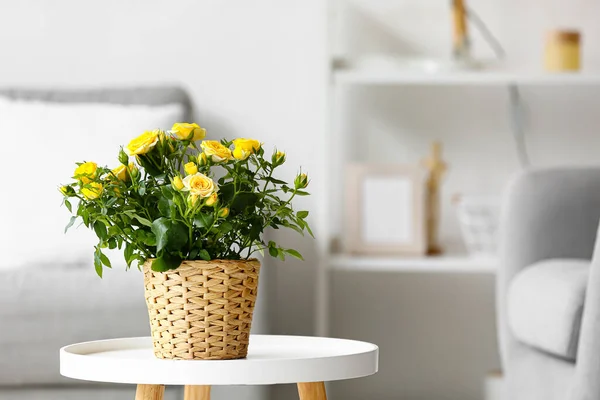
(191,215)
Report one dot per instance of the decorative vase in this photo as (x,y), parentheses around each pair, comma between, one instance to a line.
(203,309)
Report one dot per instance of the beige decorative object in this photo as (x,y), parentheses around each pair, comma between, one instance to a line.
(563,51)
(203,309)
(437,168)
(460,31)
(385,210)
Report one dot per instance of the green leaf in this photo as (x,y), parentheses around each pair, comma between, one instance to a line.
(145,237)
(100,230)
(302,193)
(225,227)
(243,200)
(226,192)
(143,220)
(105,260)
(302,214)
(275,181)
(171,235)
(203,220)
(203,254)
(128,253)
(142,188)
(295,227)
(68,205)
(255,231)
(98,262)
(167,191)
(71,222)
(294,253)
(148,166)
(273,251)
(309,230)
(164,207)
(165,262)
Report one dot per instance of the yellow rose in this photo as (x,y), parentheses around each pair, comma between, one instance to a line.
(185,131)
(224,212)
(124,173)
(245,147)
(278,158)
(199,185)
(211,201)
(66,190)
(177,183)
(192,200)
(202,160)
(216,150)
(143,143)
(301,181)
(92,190)
(121,173)
(133,170)
(190,168)
(86,172)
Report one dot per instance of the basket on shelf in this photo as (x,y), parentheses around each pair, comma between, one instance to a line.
(203,309)
(479,218)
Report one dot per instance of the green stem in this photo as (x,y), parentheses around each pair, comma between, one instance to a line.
(267,181)
(280,208)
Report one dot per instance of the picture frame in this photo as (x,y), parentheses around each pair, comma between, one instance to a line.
(385,210)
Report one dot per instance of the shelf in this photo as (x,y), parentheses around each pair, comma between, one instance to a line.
(357,76)
(431,264)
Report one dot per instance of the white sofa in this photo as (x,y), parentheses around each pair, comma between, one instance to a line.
(48,305)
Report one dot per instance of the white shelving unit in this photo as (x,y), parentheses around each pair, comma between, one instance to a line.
(348,75)
(433,264)
(388,76)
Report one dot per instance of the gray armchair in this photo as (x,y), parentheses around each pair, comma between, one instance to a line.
(548,293)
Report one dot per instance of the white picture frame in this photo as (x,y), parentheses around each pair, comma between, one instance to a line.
(385,210)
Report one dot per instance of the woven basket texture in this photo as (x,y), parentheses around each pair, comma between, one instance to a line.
(203,309)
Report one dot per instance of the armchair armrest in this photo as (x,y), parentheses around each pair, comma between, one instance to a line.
(586,383)
(547,213)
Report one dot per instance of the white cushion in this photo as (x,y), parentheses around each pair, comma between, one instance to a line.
(43,310)
(40,144)
(545,304)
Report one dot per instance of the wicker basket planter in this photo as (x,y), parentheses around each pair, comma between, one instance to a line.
(203,309)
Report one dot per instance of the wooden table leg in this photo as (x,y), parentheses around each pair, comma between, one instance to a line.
(196,392)
(312,391)
(150,392)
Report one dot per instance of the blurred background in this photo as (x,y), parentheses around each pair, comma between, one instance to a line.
(333,83)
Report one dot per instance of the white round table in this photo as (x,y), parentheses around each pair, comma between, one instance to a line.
(307,361)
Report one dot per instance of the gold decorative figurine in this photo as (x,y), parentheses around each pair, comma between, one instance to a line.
(436,169)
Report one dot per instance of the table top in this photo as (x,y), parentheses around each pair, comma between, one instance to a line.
(271,360)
